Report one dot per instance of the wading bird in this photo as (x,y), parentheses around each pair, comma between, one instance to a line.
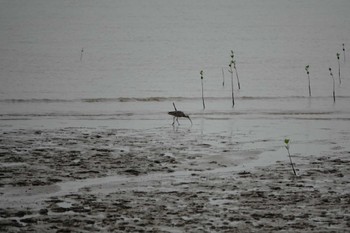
(176,114)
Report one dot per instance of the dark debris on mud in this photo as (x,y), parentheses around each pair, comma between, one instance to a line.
(268,199)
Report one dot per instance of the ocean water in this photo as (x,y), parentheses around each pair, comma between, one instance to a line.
(105,61)
(122,64)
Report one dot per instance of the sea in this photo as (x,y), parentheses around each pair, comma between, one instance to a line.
(122,64)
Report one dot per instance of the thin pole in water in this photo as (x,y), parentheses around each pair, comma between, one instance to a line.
(330,72)
(233,61)
(223,77)
(233,96)
(308,76)
(202,89)
(231,71)
(234,66)
(339,67)
(81,54)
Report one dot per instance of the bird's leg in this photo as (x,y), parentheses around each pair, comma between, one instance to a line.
(173,121)
(177,119)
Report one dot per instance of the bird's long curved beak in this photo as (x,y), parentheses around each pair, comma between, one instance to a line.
(190,120)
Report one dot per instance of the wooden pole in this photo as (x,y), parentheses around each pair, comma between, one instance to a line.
(339,72)
(233,96)
(81,54)
(234,66)
(308,76)
(202,89)
(223,77)
(330,71)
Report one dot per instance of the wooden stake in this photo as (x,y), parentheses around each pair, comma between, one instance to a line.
(223,77)
(231,71)
(330,72)
(339,68)
(202,89)
(81,54)
(239,84)
(233,96)
(308,76)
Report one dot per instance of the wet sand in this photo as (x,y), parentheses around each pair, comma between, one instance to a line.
(164,180)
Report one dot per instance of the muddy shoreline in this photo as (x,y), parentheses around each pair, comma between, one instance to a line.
(81,180)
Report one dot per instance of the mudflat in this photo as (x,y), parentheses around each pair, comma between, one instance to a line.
(84,180)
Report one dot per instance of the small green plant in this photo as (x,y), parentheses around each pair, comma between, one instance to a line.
(202,89)
(308,76)
(331,74)
(286,142)
(344,52)
(339,68)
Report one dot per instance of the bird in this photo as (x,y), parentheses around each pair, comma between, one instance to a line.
(176,114)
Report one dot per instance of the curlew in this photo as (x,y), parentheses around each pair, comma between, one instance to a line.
(176,114)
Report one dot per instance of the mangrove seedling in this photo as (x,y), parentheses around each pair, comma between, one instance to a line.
(234,66)
(202,89)
(308,76)
(233,61)
(344,51)
(339,68)
(286,142)
(331,74)
(233,96)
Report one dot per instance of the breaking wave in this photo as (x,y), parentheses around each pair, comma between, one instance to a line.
(97,100)
(154,99)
